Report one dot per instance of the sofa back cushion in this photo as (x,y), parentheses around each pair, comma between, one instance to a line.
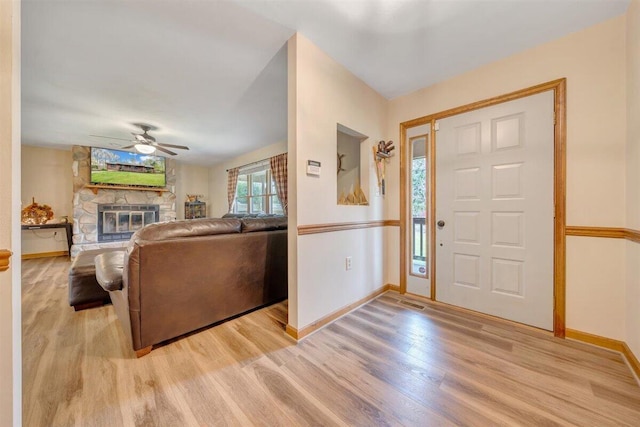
(187,228)
(250,215)
(250,225)
(235,215)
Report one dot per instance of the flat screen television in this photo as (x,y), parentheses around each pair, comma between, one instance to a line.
(118,167)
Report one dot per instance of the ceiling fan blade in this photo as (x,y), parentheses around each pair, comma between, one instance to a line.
(110,137)
(165,150)
(182,147)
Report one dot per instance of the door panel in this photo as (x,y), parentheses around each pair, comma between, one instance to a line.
(494,194)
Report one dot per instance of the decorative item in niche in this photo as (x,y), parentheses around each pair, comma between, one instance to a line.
(340,157)
(381,154)
(36,214)
(356,197)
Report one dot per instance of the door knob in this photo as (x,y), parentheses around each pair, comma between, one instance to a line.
(440,223)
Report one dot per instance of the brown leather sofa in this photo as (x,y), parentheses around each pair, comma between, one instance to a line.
(180,276)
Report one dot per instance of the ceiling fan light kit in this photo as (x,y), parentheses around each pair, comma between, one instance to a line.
(145,149)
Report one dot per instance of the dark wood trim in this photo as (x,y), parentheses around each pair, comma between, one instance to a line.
(597,340)
(607,232)
(608,343)
(632,359)
(403,208)
(342,226)
(292,332)
(560,203)
(5,255)
(633,235)
(560,161)
(298,334)
(610,232)
(533,90)
(45,254)
(394,288)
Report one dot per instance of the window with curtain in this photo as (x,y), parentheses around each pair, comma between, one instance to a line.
(256,191)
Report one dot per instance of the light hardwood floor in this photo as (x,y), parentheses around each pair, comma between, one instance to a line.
(387,363)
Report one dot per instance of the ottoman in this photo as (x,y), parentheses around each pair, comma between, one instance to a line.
(84,289)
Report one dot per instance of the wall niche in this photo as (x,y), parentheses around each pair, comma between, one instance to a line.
(349,159)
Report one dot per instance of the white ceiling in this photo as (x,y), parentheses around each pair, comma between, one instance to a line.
(212,74)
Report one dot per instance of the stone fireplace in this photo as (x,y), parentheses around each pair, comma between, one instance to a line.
(87,202)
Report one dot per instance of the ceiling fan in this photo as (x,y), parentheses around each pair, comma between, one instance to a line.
(145,143)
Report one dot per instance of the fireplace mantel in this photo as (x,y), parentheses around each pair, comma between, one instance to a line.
(95,188)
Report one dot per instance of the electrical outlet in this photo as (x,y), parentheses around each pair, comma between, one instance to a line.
(347,263)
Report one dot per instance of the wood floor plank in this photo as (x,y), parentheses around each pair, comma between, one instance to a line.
(386,363)
(349,406)
(300,404)
(342,367)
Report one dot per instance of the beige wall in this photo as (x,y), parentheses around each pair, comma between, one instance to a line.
(593,61)
(46,176)
(10,321)
(633,176)
(218,175)
(191,179)
(325,94)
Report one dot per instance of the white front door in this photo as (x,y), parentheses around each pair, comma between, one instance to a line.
(495,210)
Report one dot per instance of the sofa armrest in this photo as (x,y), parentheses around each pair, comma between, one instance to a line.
(109,270)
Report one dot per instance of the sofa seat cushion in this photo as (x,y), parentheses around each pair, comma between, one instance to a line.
(109,268)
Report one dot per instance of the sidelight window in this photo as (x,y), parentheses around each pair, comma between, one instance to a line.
(419,205)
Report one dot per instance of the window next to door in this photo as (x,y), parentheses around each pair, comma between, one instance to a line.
(419,206)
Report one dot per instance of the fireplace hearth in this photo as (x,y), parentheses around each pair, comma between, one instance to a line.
(117,222)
